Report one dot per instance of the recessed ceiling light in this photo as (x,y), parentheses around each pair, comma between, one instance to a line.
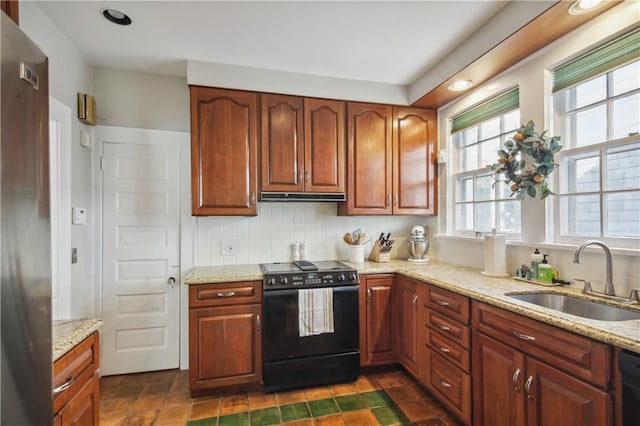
(116,16)
(580,7)
(460,85)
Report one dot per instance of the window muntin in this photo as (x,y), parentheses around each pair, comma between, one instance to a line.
(481,204)
(599,174)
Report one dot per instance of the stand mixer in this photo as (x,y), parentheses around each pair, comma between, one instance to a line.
(418,245)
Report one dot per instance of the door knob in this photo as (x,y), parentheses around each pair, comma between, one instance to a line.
(171,282)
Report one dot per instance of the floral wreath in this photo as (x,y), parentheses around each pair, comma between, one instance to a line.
(527,180)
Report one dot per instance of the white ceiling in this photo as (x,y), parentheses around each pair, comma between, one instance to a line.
(388,42)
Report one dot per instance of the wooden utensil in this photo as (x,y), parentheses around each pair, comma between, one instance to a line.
(348,238)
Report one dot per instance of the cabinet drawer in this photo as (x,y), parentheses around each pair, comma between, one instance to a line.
(243,292)
(451,385)
(74,369)
(576,355)
(449,303)
(455,331)
(448,349)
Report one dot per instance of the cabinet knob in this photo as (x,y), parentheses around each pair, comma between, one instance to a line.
(523,336)
(527,387)
(444,383)
(253,198)
(308,176)
(515,379)
(388,200)
(258,322)
(415,299)
(395,200)
(368,295)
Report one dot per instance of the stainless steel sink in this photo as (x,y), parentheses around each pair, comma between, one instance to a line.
(576,306)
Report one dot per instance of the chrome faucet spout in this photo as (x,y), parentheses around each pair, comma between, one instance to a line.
(608,287)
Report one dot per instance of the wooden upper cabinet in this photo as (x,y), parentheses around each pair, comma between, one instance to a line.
(390,160)
(414,159)
(224,150)
(369,159)
(282,143)
(324,145)
(10,7)
(302,144)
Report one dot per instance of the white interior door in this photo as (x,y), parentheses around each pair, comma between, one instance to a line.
(141,257)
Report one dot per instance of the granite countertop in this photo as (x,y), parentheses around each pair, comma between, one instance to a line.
(469,282)
(68,333)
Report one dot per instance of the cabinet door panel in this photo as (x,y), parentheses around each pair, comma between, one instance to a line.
(555,398)
(498,382)
(408,330)
(225,346)
(379,343)
(324,150)
(282,143)
(223,151)
(369,160)
(414,159)
(83,408)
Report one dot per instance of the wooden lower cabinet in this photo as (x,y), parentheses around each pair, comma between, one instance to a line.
(76,400)
(225,337)
(377,316)
(408,323)
(83,408)
(513,387)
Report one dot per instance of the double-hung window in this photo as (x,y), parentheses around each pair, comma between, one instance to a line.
(477,134)
(597,114)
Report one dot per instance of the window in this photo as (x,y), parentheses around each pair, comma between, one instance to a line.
(476,136)
(597,107)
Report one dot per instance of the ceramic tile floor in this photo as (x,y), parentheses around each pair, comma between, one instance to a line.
(163,398)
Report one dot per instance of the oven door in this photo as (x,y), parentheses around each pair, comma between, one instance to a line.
(280,334)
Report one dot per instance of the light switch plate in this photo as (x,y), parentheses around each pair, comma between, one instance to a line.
(79,216)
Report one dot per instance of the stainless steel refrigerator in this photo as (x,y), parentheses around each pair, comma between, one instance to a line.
(25,232)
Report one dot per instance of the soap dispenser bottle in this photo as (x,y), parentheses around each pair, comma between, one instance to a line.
(545,272)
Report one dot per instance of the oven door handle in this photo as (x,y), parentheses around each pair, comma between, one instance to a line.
(338,289)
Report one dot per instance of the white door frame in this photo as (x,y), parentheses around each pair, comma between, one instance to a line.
(60,171)
(146,136)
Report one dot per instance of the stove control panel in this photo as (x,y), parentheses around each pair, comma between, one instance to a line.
(309,279)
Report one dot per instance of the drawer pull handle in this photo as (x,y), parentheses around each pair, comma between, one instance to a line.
(444,384)
(442,303)
(527,387)
(515,379)
(443,349)
(258,322)
(368,295)
(443,327)
(227,294)
(415,299)
(523,336)
(63,387)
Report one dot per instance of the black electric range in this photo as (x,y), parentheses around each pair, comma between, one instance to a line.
(295,359)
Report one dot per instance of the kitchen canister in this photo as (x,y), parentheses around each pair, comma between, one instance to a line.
(356,253)
(495,255)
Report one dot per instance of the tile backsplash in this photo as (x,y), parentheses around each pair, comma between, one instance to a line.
(269,236)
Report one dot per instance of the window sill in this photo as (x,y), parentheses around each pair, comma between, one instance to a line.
(553,246)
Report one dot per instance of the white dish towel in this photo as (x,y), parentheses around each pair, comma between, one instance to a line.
(315,311)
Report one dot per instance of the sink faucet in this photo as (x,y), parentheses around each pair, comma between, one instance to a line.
(608,286)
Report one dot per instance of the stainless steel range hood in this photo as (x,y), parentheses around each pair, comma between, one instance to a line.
(301,196)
